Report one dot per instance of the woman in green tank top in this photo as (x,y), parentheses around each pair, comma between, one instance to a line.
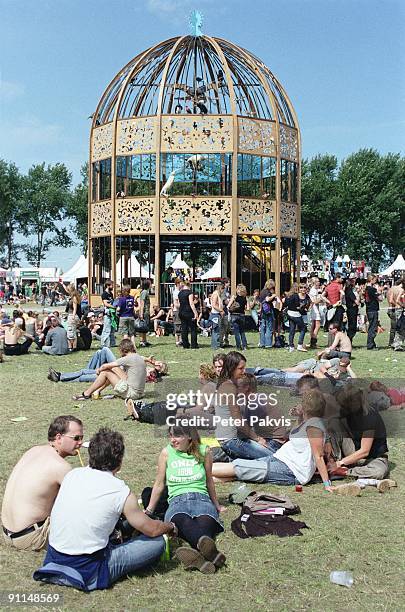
(185,466)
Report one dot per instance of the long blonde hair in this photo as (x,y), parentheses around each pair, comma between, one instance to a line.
(241,290)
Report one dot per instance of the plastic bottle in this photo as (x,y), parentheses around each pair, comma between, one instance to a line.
(166,553)
(342,578)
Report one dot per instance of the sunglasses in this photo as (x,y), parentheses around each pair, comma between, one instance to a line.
(75,438)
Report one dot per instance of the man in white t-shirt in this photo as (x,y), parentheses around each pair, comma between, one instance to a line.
(127,375)
(86,510)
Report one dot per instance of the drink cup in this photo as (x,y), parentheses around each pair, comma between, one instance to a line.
(342,578)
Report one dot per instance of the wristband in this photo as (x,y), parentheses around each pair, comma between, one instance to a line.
(327,483)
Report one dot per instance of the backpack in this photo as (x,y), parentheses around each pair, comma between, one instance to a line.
(259,501)
(266,307)
(279,342)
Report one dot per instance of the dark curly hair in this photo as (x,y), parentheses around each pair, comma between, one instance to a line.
(106,450)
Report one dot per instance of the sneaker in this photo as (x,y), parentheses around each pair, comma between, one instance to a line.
(193,559)
(144,344)
(209,551)
(131,410)
(291,349)
(302,348)
(386,484)
(53,375)
(350,490)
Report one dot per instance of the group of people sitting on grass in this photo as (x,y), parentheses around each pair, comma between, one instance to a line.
(335,431)
(52,334)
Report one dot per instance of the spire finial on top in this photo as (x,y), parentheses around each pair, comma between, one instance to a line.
(196,21)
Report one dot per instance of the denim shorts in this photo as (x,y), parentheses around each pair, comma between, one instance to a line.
(193,504)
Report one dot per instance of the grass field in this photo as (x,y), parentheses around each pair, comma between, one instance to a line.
(364,535)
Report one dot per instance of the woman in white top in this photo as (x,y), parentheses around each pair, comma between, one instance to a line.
(317,303)
(296,461)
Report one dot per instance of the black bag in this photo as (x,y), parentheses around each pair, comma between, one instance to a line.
(279,342)
(141,326)
(161,506)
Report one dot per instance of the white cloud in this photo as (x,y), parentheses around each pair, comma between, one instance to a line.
(10,90)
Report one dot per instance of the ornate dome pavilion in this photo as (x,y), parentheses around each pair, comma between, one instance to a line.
(194,151)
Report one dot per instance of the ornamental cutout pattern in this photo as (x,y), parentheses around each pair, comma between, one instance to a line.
(256,217)
(288,220)
(101,142)
(256,136)
(202,133)
(101,219)
(197,215)
(135,216)
(288,142)
(136,135)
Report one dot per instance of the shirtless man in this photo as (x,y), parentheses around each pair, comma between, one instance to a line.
(396,301)
(34,483)
(341,345)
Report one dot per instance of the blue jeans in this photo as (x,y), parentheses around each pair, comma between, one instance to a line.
(216,323)
(134,555)
(107,337)
(238,325)
(296,323)
(104,355)
(274,376)
(245,449)
(255,316)
(266,330)
(266,469)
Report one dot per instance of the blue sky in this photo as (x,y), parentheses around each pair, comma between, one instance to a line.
(342,62)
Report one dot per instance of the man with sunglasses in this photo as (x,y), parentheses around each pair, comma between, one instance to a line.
(34,484)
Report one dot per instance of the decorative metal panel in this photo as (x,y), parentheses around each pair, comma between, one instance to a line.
(256,217)
(200,133)
(136,135)
(196,215)
(289,220)
(257,137)
(288,142)
(101,219)
(101,142)
(135,216)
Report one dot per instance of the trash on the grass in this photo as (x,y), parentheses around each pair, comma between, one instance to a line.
(342,578)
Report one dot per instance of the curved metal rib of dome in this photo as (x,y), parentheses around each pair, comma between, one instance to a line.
(196,81)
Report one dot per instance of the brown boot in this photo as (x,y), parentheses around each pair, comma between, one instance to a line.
(192,559)
(209,551)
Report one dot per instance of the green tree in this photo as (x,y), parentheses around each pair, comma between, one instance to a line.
(45,199)
(319,206)
(371,194)
(77,208)
(10,194)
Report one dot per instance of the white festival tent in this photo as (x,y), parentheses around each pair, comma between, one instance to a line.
(78,270)
(214,272)
(135,270)
(179,264)
(398,264)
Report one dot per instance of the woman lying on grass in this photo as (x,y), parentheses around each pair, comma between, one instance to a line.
(296,461)
(185,465)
